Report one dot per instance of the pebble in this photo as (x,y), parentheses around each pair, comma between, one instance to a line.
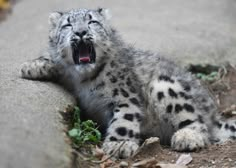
(123,164)
(230,160)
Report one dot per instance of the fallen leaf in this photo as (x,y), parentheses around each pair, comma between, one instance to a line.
(98,153)
(145,163)
(148,147)
(184,159)
(107,163)
(170,166)
(230,111)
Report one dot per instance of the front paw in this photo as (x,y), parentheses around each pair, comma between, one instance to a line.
(188,140)
(26,70)
(121,149)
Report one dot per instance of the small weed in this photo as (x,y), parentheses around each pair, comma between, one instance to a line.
(83,132)
(208,77)
(207,73)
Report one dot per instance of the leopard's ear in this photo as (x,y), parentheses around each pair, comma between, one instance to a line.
(54,18)
(105,13)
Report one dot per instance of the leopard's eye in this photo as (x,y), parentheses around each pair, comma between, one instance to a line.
(66,25)
(93,22)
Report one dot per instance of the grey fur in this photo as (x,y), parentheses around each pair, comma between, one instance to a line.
(132,94)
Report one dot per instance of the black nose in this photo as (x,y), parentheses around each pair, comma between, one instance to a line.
(81,33)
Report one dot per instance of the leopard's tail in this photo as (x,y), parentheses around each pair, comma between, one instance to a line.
(224,130)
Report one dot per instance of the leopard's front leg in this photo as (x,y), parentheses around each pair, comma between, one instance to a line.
(123,134)
(42,68)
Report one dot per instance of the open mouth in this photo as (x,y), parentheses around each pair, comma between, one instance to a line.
(83,53)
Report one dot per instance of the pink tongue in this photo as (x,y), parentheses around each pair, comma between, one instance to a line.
(85,59)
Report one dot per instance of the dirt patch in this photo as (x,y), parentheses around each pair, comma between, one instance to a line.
(215,156)
(223,88)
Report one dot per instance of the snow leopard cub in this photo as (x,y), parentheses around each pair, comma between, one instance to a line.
(132,94)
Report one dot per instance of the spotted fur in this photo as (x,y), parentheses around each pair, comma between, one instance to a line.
(132,94)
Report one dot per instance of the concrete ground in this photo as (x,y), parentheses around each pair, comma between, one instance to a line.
(197,31)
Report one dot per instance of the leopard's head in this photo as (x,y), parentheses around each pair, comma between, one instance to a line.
(80,37)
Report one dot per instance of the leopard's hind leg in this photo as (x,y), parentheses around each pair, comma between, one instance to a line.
(182,123)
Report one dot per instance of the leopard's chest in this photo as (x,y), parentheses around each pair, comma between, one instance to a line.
(96,103)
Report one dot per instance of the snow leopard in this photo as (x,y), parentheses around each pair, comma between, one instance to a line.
(132,94)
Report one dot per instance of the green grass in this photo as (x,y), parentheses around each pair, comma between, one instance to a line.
(83,132)
(208,77)
(208,73)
